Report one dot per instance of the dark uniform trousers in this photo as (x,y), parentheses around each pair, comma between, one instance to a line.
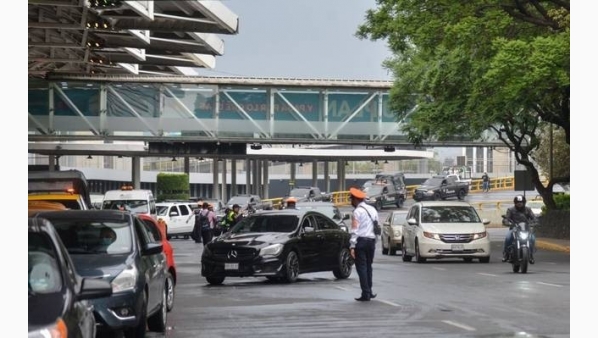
(364,256)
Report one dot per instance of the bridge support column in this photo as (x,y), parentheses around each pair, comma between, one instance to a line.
(340,175)
(314,173)
(293,175)
(233,178)
(186,165)
(224,194)
(258,177)
(52,162)
(215,191)
(326,176)
(247,176)
(265,180)
(136,172)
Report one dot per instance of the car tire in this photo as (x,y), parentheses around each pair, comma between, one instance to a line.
(461,195)
(157,321)
(291,267)
(468,260)
(345,266)
(392,251)
(437,196)
(139,330)
(400,203)
(384,250)
(170,284)
(485,260)
(186,237)
(406,257)
(418,256)
(215,280)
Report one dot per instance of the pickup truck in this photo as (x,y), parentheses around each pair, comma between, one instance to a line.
(441,188)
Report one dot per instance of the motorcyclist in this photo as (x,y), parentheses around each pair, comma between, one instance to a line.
(515,214)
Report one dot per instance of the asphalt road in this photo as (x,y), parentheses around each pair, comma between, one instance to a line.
(440,298)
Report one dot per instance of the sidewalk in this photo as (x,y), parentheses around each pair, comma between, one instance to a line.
(562,245)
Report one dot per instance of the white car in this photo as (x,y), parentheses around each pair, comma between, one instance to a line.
(392,232)
(178,216)
(443,229)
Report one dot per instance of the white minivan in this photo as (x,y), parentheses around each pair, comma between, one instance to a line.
(137,201)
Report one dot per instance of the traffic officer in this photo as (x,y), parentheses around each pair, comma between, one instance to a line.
(291,203)
(363,242)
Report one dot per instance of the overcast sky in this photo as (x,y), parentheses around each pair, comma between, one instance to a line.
(301,39)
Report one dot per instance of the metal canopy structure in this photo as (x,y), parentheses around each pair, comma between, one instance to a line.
(125,37)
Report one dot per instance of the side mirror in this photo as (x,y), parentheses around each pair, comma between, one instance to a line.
(308,229)
(92,288)
(152,249)
(412,221)
(485,221)
(346,216)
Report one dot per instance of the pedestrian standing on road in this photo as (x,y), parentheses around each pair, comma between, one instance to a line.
(363,242)
(485,182)
(207,224)
(291,203)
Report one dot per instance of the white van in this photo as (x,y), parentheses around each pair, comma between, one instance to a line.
(137,201)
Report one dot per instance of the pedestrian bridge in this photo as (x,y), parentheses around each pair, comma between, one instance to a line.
(217,111)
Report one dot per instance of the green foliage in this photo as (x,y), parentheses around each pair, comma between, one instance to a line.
(562,201)
(172,186)
(560,152)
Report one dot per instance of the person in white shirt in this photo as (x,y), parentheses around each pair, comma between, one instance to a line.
(363,242)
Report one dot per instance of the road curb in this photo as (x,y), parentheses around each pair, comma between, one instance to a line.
(542,244)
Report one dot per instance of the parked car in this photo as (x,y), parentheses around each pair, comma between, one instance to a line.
(278,245)
(445,230)
(158,229)
(305,194)
(536,206)
(329,210)
(392,232)
(178,217)
(116,247)
(246,202)
(59,298)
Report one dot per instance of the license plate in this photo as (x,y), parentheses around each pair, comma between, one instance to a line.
(457,247)
(231,266)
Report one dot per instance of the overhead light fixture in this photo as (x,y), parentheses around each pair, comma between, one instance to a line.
(256,146)
(120,156)
(376,163)
(301,164)
(173,159)
(219,160)
(385,161)
(346,163)
(389,149)
(89,157)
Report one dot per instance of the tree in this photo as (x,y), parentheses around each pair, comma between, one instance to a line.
(478,65)
(560,155)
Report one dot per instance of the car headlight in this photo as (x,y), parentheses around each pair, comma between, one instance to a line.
(429,192)
(56,330)
(372,199)
(397,232)
(480,235)
(272,250)
(523,235)
(125,280)
(432,235)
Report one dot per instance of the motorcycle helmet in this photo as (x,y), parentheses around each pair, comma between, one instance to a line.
(519,199)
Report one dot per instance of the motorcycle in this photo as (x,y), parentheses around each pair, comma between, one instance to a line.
(519,250)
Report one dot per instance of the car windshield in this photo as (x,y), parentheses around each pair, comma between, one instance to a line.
(373,190)
(329,211)
(449,214)
(240,200)
(161,210)
(44,272)
(433,181)
(270,223)
(398,218)
(299,193)
(134,206)
(94,236)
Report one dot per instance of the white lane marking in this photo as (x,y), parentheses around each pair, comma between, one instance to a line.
(459,325)
(556,285)
(441,269)
(184,255)
(341,288)
(487,274)
(387,302)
